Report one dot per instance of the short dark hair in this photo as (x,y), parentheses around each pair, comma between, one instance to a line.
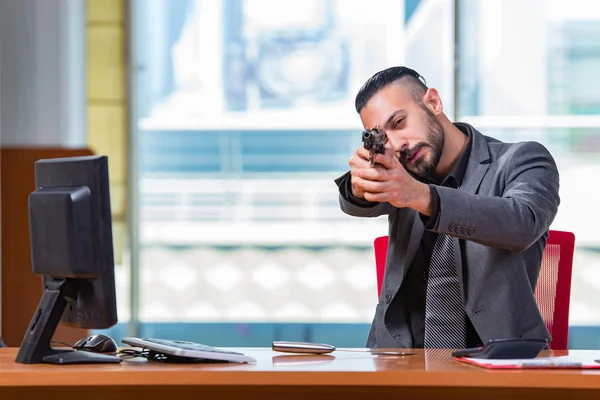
(415,84)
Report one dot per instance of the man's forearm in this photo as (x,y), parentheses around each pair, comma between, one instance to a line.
(422,199)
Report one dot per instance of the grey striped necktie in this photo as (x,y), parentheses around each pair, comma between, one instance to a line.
(445,318)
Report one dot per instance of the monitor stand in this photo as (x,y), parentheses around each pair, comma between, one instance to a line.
(36,348)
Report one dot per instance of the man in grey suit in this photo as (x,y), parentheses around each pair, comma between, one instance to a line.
(468,220)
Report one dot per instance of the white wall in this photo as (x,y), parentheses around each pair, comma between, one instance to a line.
(42,76)
(43,73)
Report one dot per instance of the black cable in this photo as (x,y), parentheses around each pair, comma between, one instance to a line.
(63,343)
(133,353)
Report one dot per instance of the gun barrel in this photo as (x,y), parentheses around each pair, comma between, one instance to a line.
(367,139)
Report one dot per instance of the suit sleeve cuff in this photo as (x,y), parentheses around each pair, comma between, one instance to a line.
(432,221)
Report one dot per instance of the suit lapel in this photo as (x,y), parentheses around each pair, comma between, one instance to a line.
(413,244)
(478,164)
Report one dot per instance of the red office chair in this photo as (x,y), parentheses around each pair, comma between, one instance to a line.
(553,290)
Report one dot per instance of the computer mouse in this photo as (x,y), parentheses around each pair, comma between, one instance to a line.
(97,343)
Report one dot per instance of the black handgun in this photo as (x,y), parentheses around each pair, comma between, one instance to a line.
(374,140)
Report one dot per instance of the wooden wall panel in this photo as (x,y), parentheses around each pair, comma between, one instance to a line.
(21,289)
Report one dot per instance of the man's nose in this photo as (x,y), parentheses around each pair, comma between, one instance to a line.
(397,144)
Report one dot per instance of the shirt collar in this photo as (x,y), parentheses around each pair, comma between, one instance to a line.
(457,173)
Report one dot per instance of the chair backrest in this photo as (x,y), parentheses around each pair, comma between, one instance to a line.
(553,290)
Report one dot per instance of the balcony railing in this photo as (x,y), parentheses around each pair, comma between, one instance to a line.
(250,211)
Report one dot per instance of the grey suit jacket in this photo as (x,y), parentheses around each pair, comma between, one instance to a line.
(499,218)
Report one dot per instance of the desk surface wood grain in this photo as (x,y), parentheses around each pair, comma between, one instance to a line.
(428,370)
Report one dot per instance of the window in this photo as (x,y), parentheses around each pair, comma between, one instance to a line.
(245,116)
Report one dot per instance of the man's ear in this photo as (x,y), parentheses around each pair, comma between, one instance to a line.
(433,101)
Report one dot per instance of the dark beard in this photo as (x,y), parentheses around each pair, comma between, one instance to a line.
(424,170)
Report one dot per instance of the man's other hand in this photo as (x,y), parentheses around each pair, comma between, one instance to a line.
(359,161)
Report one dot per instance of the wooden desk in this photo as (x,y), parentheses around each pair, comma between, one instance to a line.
(342,375)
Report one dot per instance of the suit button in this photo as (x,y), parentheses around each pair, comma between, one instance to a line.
(451,227)
(388,297)
(464,230)
(471,231)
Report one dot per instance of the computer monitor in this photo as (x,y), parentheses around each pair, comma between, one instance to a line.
(72,249)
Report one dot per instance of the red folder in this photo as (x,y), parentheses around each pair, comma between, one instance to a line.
(561,362)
